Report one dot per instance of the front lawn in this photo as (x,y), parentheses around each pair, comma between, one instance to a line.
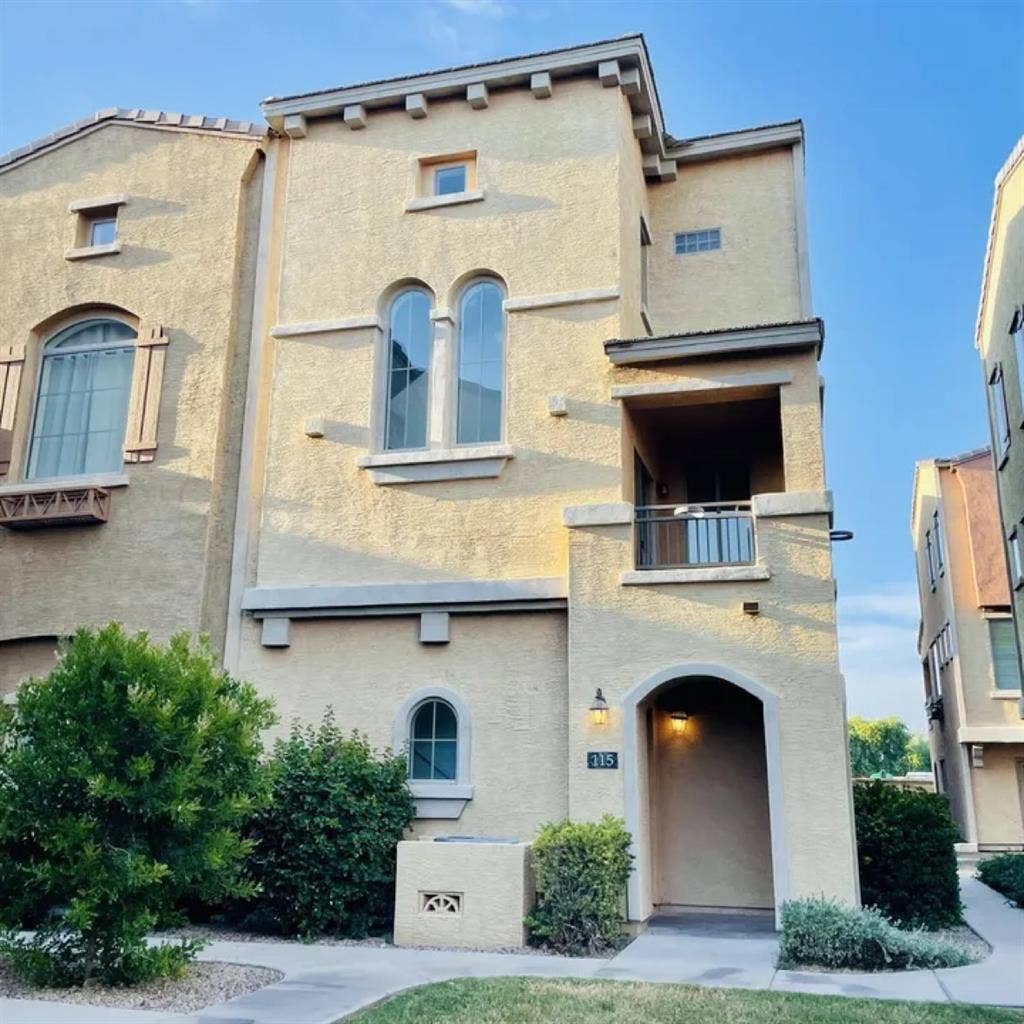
(545,1001)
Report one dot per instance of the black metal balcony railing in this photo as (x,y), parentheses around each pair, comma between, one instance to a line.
(682,536)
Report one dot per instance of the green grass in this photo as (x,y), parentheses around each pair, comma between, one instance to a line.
(567,1001)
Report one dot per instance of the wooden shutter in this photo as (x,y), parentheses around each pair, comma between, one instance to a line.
(12,358)
(144,402)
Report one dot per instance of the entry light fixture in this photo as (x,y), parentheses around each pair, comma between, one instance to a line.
(679,720)
(599,709)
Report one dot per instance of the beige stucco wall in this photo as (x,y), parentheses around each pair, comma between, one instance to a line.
(509,669)
(620,636)
(998,795)
(492,883)
(754,277)
(21,659)
(187,236)
(711,841)
(1003,292)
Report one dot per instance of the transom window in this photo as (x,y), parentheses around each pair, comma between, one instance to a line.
(698,241)
(434,744)
(481,364)
(449,180)
(410,345)
(82,405)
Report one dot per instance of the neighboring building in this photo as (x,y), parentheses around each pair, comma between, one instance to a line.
(999,338)
(968,649)
(532,478)
(125,300)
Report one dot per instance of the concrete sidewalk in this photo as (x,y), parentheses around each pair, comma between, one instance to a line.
(325,983)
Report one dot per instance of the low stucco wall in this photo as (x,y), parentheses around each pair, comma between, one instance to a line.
(473,895)
(998,796)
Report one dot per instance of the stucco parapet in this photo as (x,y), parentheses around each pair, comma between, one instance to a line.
(65,482)
(991,733)
(406,596)
(791,503)
(351,323)
(701,574)
(616,513)
(728,341)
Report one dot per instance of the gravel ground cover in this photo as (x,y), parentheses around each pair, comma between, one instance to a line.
(204,984)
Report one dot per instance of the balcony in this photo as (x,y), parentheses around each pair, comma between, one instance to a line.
(686,536)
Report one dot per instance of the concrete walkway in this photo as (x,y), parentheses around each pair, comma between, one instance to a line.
(325,983)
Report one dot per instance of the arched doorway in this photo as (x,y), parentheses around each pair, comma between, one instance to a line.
(703,792)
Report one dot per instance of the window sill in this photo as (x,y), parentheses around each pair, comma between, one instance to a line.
(440,800)
(1005,694)
(698,574)
(89,251)
(57,483)
(433,202)
(469,463)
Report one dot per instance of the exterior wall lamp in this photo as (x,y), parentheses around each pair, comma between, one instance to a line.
(679,720)
(599,709)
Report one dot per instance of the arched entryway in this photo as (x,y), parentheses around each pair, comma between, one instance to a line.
(703,792)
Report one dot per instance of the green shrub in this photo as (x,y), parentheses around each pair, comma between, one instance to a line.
(907,860)
(126,777)
(581,870)
(822,933)
(326,844)
(1005,874)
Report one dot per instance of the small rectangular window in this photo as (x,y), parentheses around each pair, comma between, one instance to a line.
(1005,662)
(1017,332)
(1000,417)
(103,231)
(645,268)
(930,555)
(449,180)
(940,558)
(698,241)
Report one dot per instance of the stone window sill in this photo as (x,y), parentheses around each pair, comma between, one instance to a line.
(57,483)
(440,800)
(469,463)
(86,252)
(698,574)
(1005,694)
(433,202)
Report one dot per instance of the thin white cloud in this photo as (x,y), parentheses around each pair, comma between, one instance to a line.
(878,654)
(493,9)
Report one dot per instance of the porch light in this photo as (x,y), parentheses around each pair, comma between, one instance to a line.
(679,720)
(599,709)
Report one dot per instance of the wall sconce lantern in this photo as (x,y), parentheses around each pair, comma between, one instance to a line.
(679,720)
(599,709)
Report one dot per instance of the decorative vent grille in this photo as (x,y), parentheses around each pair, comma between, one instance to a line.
(446,904)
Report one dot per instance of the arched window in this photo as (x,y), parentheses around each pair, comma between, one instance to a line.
(481,364)
(434,743)
(82,405)
(409,345)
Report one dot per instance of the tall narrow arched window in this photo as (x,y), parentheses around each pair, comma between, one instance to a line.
(481,364)
(434,744)
(82,406)
(409,345)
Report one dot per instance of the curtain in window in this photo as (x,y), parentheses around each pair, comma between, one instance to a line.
(481,364)
(410,340)
(82,405)
(1004,654)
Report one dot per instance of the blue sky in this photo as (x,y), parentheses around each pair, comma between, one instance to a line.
(910,110)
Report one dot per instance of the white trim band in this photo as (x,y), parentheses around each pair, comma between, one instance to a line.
(351,323)
(578,298)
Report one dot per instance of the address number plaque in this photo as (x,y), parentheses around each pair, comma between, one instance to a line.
(602,759)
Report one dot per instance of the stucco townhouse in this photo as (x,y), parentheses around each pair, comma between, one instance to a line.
(968,649)
(490,415)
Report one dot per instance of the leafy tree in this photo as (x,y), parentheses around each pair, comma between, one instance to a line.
(126,776)
(326,844)
(885,746)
